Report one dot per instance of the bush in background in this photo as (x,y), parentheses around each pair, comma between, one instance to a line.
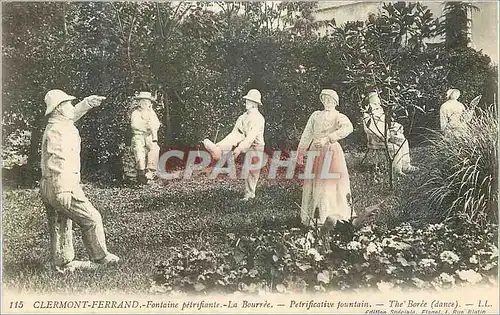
(462,171)
(439,69)
(202,64)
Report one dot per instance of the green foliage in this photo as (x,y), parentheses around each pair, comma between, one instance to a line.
(375,55)
(463,171)
(388,52)
(201,220)
(438,256)
(436,70)
(202,62)
(14,149)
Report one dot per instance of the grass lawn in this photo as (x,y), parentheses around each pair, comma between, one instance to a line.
(143,223)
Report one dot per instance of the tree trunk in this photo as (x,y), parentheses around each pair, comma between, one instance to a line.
(166,117)
(391,175)
(388,123)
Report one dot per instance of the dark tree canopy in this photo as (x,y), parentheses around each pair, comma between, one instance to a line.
(201,61)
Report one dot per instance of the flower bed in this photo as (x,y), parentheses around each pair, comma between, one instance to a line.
(435,257)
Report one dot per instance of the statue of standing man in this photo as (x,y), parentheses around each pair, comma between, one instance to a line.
(60,188)
(145,125)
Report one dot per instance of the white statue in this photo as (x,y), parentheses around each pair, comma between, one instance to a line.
(247,137)
(375,124)
(326,198)
(452,115)
(144,144)
(60,187)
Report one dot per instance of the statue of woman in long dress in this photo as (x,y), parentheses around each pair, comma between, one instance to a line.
(326,198)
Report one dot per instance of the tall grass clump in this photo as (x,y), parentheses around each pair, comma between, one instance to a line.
(461,173)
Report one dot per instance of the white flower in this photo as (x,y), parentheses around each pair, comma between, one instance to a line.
(366,229)
(446,278)
(488,266)
(301,69)
(493,280)
(399,245)
(301,241)
(426,263)
(406,229)
(390,269)
(372,248)
(315,253)
(309,239)
(473,259)
(494,252)
(363,238)
(387,241)
(353,245)
(481,252)
(449,257)
(155,288)
(175,293)
(470,276)
(435,227)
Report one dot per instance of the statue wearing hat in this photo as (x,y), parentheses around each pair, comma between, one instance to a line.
(374,126)
(60,187)
(247,136)
(452,114)
(145,124)
(326,198)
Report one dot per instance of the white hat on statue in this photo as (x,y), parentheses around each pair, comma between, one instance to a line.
(330,93)
(372,93)
(254,96)
(145,95)
(453,93)
(55,97)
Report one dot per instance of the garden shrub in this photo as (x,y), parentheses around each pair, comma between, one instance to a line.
(435,257)
(14,149)
(204,66)
(462,171)
(438,70)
